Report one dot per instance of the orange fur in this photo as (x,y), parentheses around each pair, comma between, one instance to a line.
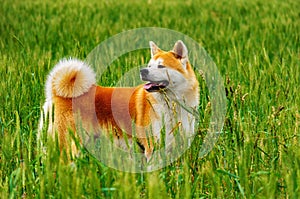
(99,100)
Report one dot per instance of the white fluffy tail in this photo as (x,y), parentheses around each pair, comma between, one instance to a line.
(69,78)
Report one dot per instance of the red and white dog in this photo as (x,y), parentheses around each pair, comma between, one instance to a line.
(153,107)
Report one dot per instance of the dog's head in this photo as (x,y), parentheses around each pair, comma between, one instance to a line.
(168,70)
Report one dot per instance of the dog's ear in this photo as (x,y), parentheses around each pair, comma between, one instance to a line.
(180,49)
(154,48)
(181,52)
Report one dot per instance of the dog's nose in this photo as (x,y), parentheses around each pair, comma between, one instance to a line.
(144,72)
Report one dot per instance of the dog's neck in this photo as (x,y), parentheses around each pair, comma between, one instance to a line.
(188,98)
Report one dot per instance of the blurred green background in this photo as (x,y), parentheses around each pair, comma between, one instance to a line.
(255,45)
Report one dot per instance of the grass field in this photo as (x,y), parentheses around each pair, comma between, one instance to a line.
(256,46)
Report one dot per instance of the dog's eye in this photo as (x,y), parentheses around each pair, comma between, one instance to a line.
(160,66)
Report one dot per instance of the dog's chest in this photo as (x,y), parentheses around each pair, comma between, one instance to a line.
(169,117)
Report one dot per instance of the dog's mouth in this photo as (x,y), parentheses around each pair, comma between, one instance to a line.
(156,86)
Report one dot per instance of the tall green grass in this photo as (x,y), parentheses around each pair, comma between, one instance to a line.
(255,45)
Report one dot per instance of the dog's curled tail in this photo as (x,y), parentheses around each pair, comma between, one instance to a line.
(69,78)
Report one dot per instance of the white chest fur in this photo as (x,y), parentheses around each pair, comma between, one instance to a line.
(173,118)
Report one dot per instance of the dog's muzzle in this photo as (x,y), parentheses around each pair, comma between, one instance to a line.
(144,72)
(152,86)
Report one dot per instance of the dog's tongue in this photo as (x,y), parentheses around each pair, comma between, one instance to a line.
(155,86)
(149,85)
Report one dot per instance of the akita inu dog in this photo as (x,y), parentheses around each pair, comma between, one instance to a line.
(152,108)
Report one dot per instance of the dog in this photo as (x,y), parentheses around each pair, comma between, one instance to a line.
(164,103)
